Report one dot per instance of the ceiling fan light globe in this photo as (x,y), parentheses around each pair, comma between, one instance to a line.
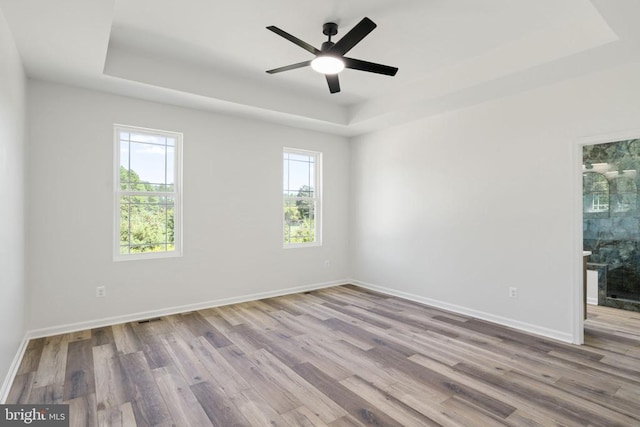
(327,64)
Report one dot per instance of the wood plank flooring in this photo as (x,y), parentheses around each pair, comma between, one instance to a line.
(341,356)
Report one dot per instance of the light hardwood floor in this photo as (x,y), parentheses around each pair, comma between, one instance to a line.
(341,356)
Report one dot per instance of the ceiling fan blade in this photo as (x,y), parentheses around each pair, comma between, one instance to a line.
(334,83)
(372,67)
(353,37)
(289,67)
(294,39)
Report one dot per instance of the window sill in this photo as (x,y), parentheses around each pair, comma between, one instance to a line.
(301,245)
(155,255)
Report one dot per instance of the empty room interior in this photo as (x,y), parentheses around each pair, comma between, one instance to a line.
(200,228)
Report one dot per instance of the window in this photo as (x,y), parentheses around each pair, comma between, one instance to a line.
(624,193)
(595,195)
(599,203)
(147,193)
(302,197)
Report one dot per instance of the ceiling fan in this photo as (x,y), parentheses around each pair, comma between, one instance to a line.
(330,59)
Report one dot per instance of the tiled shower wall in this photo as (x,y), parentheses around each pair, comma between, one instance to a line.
(611,220)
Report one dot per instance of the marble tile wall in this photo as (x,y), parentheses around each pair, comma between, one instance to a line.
(611,223)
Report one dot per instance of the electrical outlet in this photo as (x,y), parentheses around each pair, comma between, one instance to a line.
(101,291)
(513,292)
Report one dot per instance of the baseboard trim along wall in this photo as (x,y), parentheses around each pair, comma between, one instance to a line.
(522,326)
(13,369)
(133,317)
(80,326)
(108,321)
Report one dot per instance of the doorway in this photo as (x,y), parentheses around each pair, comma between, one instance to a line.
(610,222)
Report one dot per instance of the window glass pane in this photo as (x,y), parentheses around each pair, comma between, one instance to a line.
(299,220)
(124,154)
(146,223)
(300,204)
(147,165)
(299,176)
(124,165)
(305,191)
(171,156)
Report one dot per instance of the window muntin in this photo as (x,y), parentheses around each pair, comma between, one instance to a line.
(301,198)
(624,193)
(595,193)
(148,199)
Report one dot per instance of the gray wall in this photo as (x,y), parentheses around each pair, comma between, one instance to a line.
(456,208)
(232,181)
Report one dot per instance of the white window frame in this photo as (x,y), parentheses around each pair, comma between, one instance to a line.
(596,206)
(317,199)
(176,194)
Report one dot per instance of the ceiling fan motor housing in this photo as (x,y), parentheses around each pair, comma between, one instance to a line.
(326,46)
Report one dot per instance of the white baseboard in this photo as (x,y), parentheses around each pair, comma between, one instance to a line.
(108,321)
(592,301)
(133,317)
(13,370)
(516,324)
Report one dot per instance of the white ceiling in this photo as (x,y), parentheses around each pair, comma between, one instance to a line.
(213,54)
